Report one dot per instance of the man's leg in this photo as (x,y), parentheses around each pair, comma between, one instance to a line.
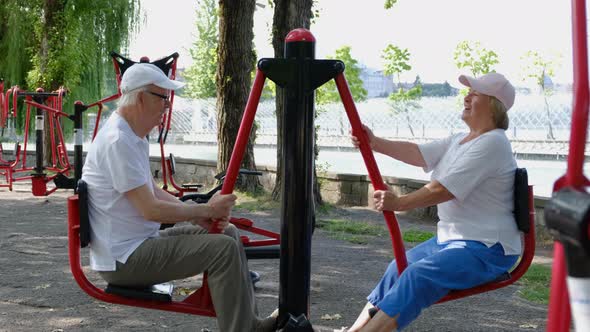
(186,251)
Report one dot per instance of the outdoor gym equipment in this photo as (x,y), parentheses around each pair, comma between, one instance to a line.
(299,74)
(158,296)
(568,213)
(49,103)
(168,66)
(168,164)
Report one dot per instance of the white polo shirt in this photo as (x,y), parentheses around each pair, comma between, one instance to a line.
(480,174)
(117,162)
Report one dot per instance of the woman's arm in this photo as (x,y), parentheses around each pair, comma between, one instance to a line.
(431,194)
(406,152)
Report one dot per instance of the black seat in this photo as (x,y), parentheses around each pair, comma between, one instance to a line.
(160,292)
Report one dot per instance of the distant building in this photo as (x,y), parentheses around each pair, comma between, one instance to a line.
(376,82)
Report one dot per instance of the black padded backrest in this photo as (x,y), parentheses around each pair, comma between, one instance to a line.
(172,164)
(521,200)
(16,150)
(83,207)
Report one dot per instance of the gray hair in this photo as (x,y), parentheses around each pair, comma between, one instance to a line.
(131,97)
(499,113)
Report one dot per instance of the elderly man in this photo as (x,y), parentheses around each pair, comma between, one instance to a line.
(126,209)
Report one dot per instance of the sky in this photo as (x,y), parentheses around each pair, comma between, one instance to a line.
(429,29)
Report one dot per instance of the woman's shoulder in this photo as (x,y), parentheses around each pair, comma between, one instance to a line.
(496,136)
(496,142)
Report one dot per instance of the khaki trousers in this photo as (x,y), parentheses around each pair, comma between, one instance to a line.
(182,252)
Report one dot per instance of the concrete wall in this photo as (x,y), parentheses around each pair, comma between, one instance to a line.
(338,189)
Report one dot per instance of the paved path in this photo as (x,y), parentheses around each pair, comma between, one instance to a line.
(38,293)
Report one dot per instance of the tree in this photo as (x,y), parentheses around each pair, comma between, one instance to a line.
(200,76)
(472,56)
(53,43)
(389,3)
(236,59)
(328,93)
(538,68)
(477,59)
(287,16)
(403,101)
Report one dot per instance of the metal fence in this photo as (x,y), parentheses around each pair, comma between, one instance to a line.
(538,125)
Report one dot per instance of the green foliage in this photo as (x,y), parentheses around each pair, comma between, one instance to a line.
(537,67)
(402,101)
(477,59)
(328,93)
(259,200)
(396,60)
(64,43)
(200,76)
(389,3)
(438,90)
(416,236)
(536,282)
(357,232)
(15,42)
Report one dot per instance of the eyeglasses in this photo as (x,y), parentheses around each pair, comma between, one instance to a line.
(165,97)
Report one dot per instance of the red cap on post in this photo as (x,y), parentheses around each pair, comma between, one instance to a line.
(298,35)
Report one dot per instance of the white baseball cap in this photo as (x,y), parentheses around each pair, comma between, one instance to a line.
(142,74)
(492,84)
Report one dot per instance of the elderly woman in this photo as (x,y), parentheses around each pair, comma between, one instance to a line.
(472,185)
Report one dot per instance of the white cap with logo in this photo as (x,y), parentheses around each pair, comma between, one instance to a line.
(143,74)
(492,84)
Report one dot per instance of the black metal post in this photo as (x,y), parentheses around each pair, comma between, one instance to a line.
(39,124)
(297,210)
(299,74)
(79,108)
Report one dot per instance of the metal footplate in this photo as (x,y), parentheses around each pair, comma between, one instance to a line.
(299,324)
(159,292)
(264,252)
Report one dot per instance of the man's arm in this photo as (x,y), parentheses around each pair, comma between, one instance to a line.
(155,209)
(164,195)
(431,194)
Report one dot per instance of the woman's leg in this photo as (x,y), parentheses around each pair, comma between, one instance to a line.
(460,265)
(389,278)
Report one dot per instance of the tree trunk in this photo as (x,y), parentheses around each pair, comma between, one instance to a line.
(235,63)
(288,15)
(549,126)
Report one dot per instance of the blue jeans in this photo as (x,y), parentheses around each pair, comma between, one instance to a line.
(433,270)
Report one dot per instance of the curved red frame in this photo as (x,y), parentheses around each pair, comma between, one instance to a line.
(559,317)
(198,303)
(398,248)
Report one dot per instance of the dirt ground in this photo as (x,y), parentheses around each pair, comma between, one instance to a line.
(38,293)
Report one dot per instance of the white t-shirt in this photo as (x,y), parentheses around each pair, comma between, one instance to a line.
(480,174)
(117,162)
